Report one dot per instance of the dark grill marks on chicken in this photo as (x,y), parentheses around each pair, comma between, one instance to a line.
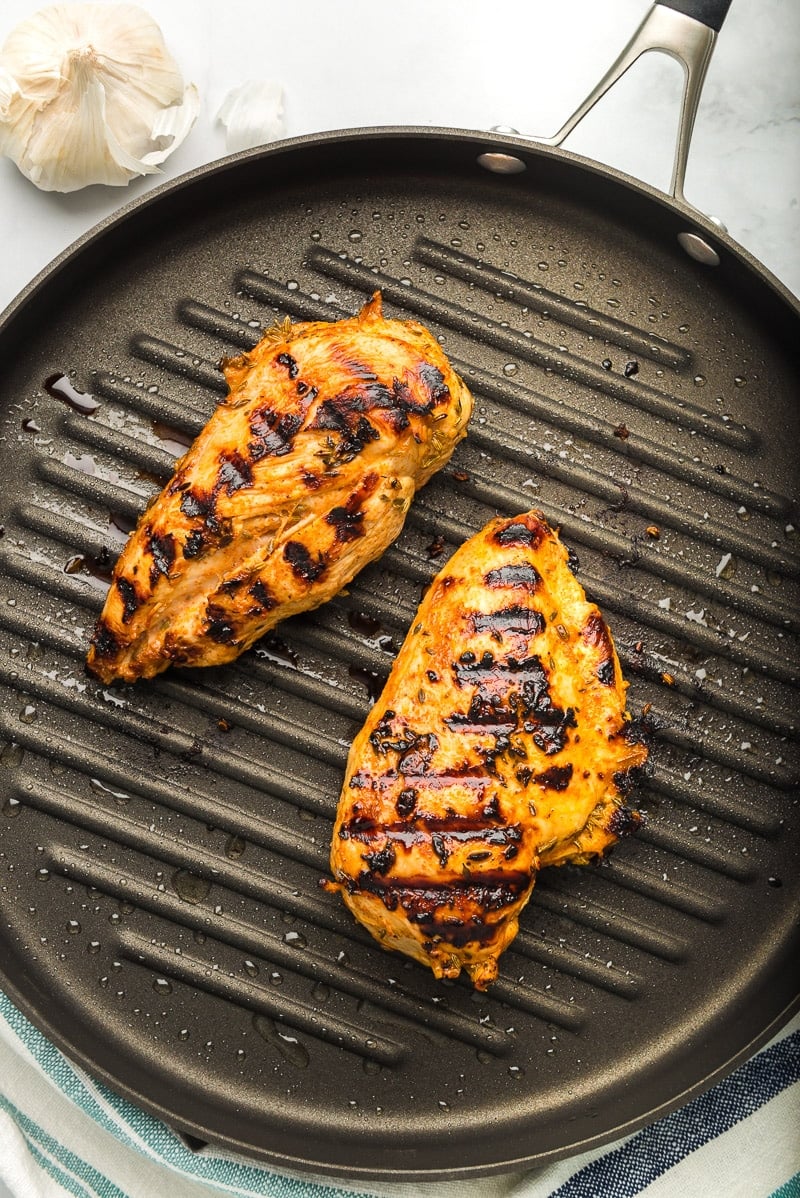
(301,562)
(523,575)
(595,633)
(301,477)
(130,599)
(497,747)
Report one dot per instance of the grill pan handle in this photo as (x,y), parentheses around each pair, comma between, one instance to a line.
(709,12)
(685,30)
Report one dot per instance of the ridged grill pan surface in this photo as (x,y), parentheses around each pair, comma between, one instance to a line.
(162,844)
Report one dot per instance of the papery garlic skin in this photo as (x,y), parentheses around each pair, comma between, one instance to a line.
(252,114)
(89,93)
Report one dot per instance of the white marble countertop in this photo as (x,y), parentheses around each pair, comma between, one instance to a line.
(471,64)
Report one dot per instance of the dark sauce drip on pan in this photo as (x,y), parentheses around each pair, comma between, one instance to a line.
(274,649)
(372,631)
(173,439)
(59,386)
(370,679)
(100,566)
(367,625)
(121,522)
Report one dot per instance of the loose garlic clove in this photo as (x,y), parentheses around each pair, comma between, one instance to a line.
(89,93)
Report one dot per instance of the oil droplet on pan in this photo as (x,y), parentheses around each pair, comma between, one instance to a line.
(284,1040)
(190,887)
(100,788)
(235,847)
(60,387)
(295,939)
(11,755)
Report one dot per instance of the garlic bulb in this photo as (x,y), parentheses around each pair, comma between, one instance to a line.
(252,114)
(89,93)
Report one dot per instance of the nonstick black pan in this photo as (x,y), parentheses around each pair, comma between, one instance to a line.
(636,378)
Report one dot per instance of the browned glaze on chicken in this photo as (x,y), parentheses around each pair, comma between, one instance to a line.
(500,745)
(301,476)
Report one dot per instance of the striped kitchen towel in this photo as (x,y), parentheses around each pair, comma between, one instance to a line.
(61,1133)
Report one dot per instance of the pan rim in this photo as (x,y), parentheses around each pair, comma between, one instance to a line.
(485,140)
(305,1168)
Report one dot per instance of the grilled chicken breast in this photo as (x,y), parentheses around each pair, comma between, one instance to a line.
(500,745)
(301,476)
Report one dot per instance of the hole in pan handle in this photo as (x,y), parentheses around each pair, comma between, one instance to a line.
(687,31)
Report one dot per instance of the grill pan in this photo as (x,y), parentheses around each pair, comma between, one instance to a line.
(162,844)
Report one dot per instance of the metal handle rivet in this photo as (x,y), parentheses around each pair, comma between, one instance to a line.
(501,164)
(698,249)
